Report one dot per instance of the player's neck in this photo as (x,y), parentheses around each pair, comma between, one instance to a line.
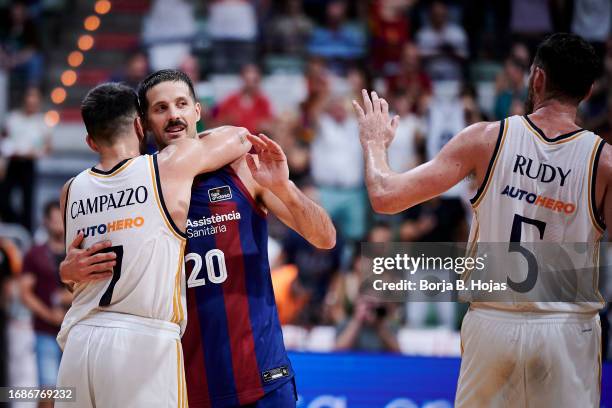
(563,113)
(110,156)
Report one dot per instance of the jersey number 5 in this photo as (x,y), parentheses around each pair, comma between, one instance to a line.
(210,257)
(515,246)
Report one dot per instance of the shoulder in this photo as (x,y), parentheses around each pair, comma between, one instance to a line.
(66,187)
(480,133)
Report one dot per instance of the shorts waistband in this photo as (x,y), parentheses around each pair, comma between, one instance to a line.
(131,322)
(534,317)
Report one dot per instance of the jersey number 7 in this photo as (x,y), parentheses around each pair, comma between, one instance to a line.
(105,300)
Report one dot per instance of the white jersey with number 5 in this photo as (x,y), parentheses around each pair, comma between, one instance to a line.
(125,205)
(540,190)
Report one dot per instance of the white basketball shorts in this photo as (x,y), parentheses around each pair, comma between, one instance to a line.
(539,360)
(119,360)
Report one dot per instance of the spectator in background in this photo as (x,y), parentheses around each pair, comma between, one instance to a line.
(592,20)
(336,165)
(530,20)
(404,149)
(411,79)
(191,66)
(43,293)
(443,44)
(27,139)
(371,326)
(20,48)
(10,266)
(339,42)
(233,31)
(316,269)
(510,88)
(358,78)
(289,31)
(168,32)
(318,88)
(248,107)
(437,220)
(389,30)
(136,69)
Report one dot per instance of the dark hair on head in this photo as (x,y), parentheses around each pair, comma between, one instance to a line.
(108,110)
(570,63)
(156,78)
(50,206)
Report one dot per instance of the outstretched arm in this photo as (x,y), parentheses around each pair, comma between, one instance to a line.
(468,152)
(284,199)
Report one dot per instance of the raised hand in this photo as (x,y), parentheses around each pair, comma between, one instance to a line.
(272,171)
(374,123)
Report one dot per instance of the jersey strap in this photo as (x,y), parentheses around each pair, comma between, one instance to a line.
(482,189)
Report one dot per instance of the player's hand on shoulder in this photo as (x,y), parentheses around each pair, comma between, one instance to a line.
(375,125)
(87,265)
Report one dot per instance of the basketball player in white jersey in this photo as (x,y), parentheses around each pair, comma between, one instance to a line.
(121,337)
(519,354)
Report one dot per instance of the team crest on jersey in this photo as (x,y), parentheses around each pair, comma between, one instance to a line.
(220,194)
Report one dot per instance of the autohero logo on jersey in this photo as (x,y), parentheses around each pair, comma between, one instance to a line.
(106,202)
(215,224)
(112,226)
(220,194)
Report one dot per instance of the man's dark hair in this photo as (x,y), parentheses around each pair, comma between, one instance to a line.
(571,66)
(50,206)
(108,110)
(156,78)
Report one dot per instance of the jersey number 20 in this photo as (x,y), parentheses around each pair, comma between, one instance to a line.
(209,258)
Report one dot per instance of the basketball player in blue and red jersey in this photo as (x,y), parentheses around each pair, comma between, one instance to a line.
(233,344)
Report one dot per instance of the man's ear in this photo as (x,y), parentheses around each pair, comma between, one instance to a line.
(92,143)
(198,108)
(139,128)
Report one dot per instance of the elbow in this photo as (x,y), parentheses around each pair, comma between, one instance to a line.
(327,242)
(382,205)
(328,239)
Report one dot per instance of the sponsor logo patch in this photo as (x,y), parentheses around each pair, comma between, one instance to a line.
(219,194)
(275,374)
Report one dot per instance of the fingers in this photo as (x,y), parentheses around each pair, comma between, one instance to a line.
(251,163)
(257,142)
(98,246)
(272,147)
(100,276)
(76,242)
(395,122)
(375,102)
(384,106)
(103,267)
(366,101)
(358,110)
(102,257)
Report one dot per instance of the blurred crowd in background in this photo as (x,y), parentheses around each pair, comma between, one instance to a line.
(288,69)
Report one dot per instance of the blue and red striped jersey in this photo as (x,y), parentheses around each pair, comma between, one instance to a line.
(233,344)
